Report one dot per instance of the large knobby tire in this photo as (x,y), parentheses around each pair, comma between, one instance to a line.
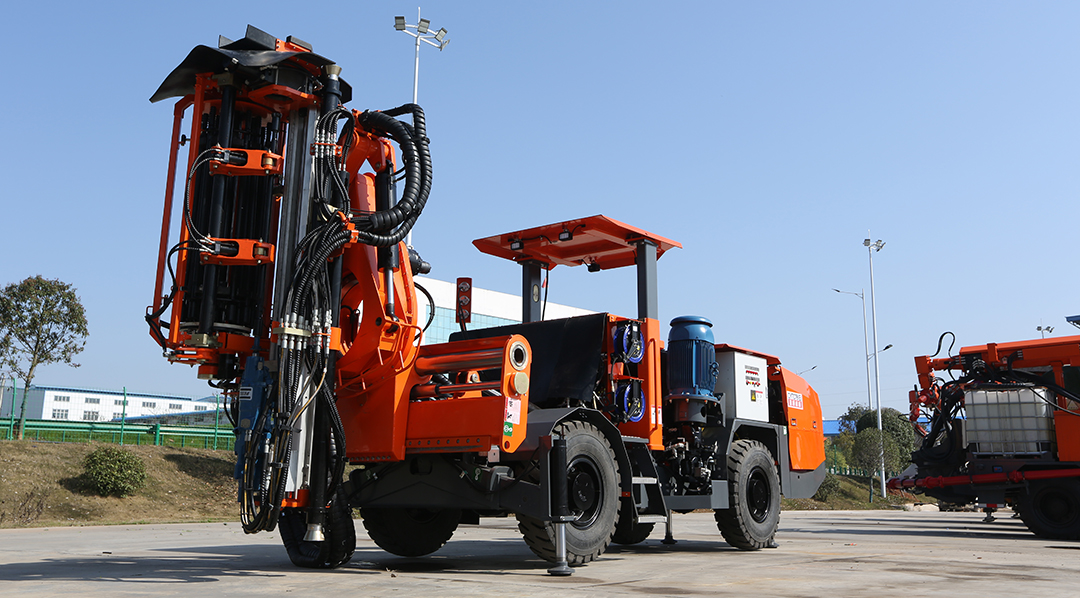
(593,488)
(410,532)
(628,530)
(338,528)
(751,521)
(1051,509)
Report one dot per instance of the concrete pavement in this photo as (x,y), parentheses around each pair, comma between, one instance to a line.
(822,553)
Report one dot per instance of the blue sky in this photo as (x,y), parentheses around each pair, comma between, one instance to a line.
(767,137)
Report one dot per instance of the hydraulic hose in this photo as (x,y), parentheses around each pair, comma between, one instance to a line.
(389,227)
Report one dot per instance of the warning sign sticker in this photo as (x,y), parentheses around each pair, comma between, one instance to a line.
(794,400)
(513,411)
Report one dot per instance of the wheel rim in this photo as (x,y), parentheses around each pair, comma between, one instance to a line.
(1057,507)
(584,488)
(759,495)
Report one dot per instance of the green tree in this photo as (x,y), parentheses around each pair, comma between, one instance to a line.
(867,449)
(895,425)
(849,420)
(41,322)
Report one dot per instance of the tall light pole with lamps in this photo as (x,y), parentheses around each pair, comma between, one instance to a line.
(870,249)
(421,32)
(866,345)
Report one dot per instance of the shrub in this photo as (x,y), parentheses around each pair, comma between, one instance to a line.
(112,470)
(829,486)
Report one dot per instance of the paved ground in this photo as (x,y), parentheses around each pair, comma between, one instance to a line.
(838,553)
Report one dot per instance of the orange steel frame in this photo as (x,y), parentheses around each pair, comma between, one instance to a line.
(206,96)
(1053,353)
(380,352)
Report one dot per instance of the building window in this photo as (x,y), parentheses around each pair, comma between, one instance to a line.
(59,413)
(90,416)
(176,406)
(93,401)
(62,399)
(149,404)
(119,402)
(200,407)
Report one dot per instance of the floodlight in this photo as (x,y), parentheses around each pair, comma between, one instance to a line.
(399,23)
(423,26)
(440,34)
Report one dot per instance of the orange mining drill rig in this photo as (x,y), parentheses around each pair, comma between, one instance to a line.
(293,293)
(1006,430)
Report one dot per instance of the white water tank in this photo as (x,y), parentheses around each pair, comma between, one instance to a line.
(1007,422)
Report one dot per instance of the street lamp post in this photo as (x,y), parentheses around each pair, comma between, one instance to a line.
(866,345)
(421,32)
(870,249)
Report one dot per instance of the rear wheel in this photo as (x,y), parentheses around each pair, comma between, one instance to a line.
(1051,509)
(751,521)
(593,488)
(338,528)
(410,532)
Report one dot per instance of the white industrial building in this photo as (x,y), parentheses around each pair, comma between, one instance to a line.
(489,309)
(90,405)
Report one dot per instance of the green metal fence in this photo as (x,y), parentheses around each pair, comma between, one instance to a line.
(852,471)
(157,434)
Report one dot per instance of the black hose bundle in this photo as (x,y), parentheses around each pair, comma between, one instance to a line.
(305,374)
(389,227)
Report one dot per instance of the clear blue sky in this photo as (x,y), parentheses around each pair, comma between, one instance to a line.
(767,137)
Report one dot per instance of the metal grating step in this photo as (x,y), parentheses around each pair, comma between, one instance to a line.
(651,519)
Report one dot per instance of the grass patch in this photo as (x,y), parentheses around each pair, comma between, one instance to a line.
(43,484)
(182,485)
(853,495)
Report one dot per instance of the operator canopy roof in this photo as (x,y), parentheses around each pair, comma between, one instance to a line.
(599,242)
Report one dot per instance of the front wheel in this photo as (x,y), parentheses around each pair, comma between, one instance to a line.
(751,521)
(593,487)
(1051,509)
(338,528)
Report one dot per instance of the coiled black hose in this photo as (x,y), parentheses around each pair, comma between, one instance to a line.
(389,227)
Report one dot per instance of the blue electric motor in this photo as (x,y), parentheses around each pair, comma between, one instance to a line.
(691,355)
